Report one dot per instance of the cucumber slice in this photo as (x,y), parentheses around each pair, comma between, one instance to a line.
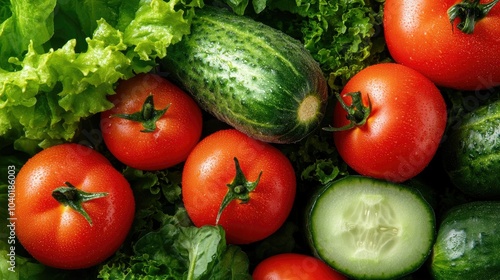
(371,229)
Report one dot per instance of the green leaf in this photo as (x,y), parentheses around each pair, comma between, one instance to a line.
(232,265)
(324,170)
(316,159)
(259,5)
(171,184)
(24,22)
(160,24)
(343,36)
(150,210)
(238,6)
(86,13)
(46,91)
(179,251)
(202,247)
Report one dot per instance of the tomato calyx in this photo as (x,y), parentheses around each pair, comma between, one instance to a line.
(240,189)
(70,196)
(148,115)
(357,112)
(469,12)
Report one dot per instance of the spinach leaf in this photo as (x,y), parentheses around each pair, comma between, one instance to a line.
(180,252)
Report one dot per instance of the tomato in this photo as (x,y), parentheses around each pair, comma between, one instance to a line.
(399,136)
(288,266)
(140,134)
(73,209)
(419,34)
(242,184)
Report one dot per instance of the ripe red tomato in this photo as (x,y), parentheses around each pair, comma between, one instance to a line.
(53,232)
(151,139)
(288,266)
(419,34)
(264,189)
(402,131)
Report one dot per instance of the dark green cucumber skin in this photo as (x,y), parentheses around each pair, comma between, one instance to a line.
(471,152)
(475,254)
(247,74)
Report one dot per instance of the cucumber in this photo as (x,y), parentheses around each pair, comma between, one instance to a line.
(253,77)
(468,243)
(371,229)
(471,152)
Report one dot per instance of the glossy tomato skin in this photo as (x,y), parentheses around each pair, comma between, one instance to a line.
(177,131)
(404,129)
(58,236)
(419,34)
(210,167)
(293,266)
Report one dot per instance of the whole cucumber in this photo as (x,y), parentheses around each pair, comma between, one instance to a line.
(471,152)
(468,243)
(251,76)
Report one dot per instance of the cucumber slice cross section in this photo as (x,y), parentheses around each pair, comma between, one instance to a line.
(371,229)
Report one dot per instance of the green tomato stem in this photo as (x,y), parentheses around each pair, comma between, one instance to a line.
(357,112)
(148,115)
(70,196)
(240,189)
(469,12)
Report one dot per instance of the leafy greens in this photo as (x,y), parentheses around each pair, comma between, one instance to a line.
(177,251)
(60,59)
(165,244)
(344,36)
(50,81)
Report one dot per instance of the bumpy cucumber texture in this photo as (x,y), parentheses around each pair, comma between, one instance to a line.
(471,152)
(249,75)
(468,243)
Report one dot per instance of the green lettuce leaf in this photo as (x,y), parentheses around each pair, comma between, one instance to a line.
(344,36)
(164,243)
(153,29)
(85,14)
(178,251)
(240,6)
(157,195)
(24,22)
(46,91)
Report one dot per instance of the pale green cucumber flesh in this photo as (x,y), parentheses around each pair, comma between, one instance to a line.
(371,229)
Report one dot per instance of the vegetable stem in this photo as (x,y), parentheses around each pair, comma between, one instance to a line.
(70,196)
(357,112)
(148,115)
(239,189)
(192,266)
(469,12)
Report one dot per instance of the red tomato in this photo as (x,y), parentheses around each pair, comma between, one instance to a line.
(56,234)
(419,35)
(292,266)
(168,139)
(256,213)
(404,128)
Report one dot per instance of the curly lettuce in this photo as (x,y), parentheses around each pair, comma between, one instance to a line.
(344,36)
(50,81)
(164,243)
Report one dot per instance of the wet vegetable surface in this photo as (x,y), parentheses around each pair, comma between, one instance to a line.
(60,61)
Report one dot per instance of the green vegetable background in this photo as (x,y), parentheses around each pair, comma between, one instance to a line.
(59,59)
